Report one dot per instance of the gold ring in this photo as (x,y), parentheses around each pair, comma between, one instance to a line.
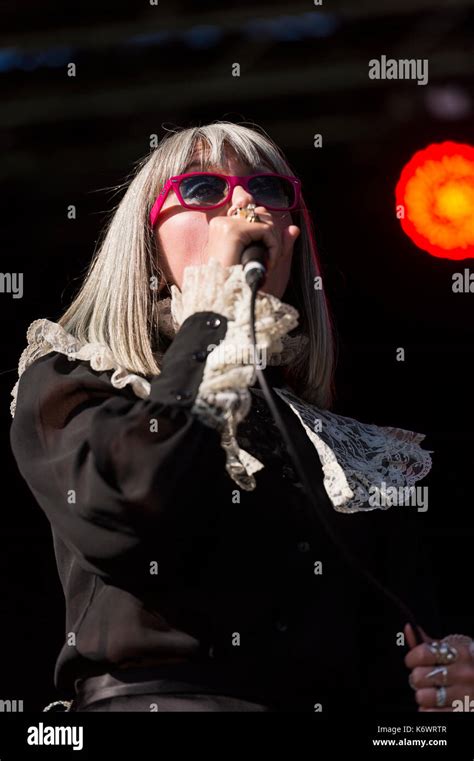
(248,213)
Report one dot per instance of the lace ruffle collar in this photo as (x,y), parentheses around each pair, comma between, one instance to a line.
(358,459)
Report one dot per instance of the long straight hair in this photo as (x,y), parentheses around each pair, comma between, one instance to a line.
(116,304)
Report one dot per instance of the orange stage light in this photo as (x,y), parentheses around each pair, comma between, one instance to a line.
(435,200)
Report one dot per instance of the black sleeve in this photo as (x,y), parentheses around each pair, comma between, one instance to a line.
(121,478)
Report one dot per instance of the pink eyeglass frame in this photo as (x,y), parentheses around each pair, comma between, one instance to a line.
(232,180)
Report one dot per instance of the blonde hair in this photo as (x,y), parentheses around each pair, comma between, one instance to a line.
(117,307)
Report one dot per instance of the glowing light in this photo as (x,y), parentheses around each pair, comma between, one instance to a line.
(435,200)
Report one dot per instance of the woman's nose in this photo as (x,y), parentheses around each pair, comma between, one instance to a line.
(241,197)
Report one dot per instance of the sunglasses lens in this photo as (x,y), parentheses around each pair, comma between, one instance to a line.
(203,190)
(273,192)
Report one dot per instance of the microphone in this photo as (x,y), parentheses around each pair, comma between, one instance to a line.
(254,259)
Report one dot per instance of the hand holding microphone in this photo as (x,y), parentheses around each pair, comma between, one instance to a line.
(263,246)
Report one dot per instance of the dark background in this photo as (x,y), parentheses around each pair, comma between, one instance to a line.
(304,70)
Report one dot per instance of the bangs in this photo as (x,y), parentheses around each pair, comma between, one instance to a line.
(208,148)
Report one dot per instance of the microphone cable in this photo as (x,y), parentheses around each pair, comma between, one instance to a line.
(254,284)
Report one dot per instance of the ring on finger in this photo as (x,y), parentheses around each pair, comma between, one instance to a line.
(247,213)
(443,652)
(441,697)
(461,639)
(441,671)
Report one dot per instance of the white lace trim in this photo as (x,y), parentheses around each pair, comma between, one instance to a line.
(360,460)
(223,399)
(44,336)
(214,288)
(356,457)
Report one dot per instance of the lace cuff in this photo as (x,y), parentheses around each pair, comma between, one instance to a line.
(223,397)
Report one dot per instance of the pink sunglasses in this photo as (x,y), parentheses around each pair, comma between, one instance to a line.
(208,190)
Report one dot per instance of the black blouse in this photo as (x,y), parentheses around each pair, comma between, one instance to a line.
(165,563)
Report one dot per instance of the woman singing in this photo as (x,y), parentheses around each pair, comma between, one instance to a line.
(197,575)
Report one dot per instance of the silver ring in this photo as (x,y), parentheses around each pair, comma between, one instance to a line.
(439,670)
(460,639)
(443,652)
(441,697)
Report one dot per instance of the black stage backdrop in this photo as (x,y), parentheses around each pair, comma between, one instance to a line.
(142,68)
